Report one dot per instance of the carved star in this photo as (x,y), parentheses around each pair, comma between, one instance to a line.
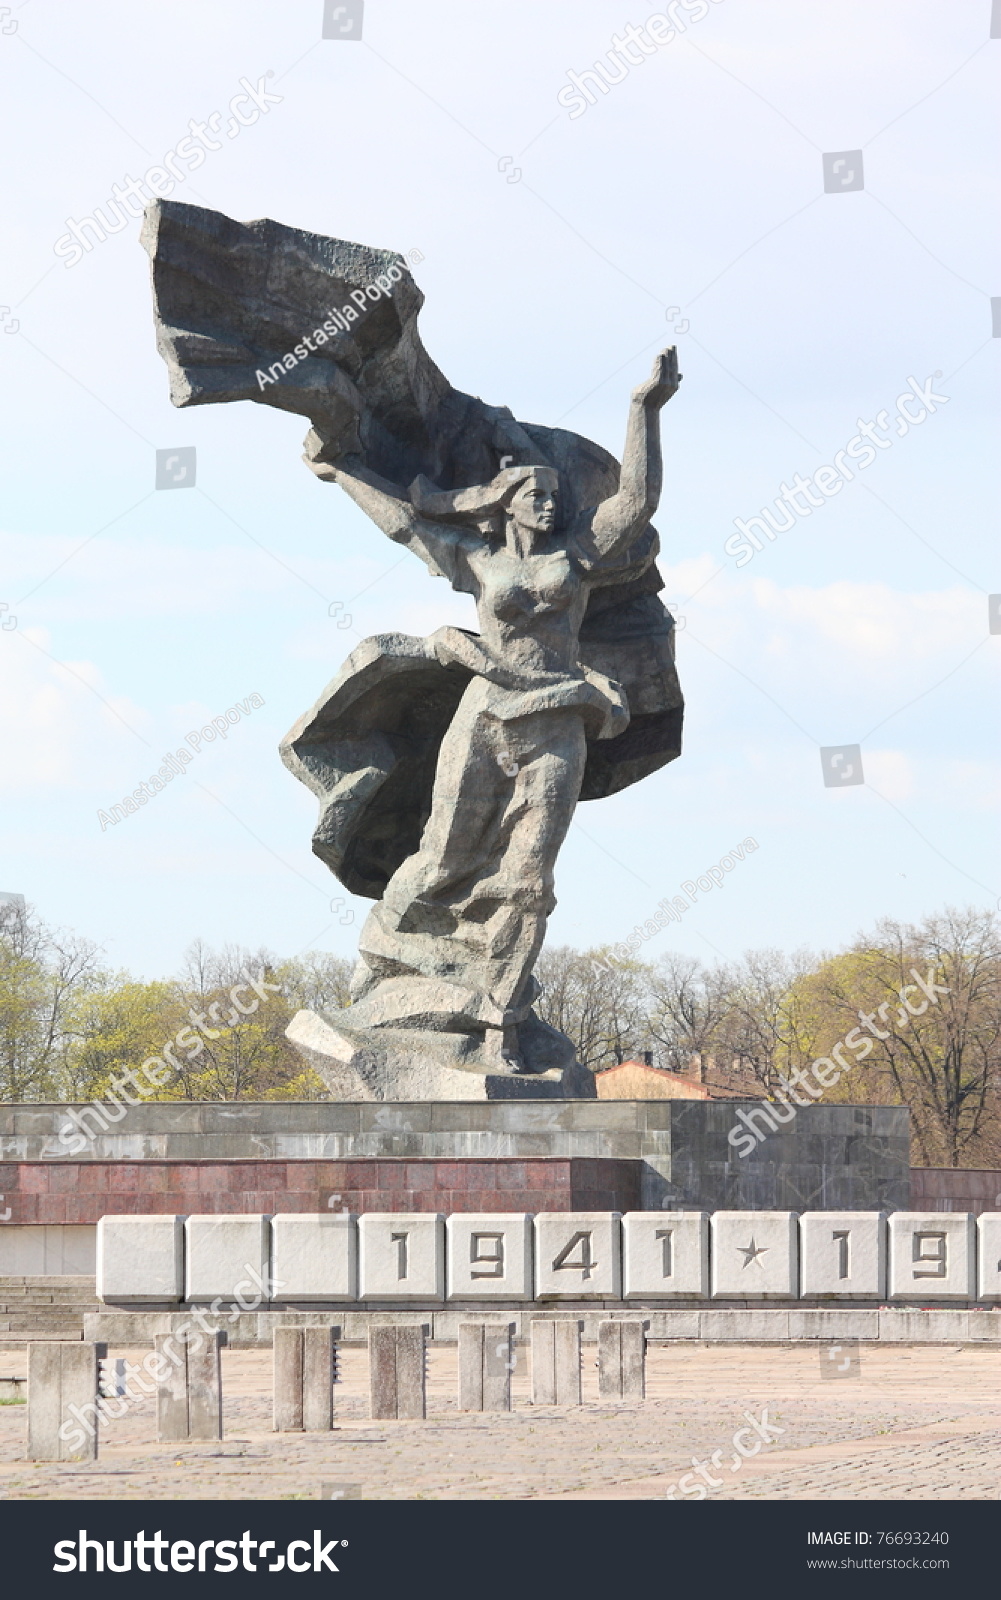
(751,1251)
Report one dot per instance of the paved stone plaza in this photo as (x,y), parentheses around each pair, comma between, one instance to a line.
(904,1423)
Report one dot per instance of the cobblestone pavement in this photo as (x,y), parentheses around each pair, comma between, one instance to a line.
(912,1423)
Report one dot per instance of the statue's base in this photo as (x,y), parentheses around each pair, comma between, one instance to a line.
(401,1064)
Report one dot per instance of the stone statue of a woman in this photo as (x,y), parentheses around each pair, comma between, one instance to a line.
(452,944)
(447,768)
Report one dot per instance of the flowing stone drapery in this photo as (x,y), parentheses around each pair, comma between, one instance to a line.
(447,769)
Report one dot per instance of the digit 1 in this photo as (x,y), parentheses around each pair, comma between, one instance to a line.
(400,1241)
(667,1262)
(844,1270)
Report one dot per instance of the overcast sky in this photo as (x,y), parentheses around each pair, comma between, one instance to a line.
(562,247)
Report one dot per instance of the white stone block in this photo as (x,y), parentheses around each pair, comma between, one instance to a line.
(665,1255)
(842,1255)
(226,1258)
(989,1256)
(140,1259)
(401,1256)
(489,1256)
(578,1255)
(754,1255)
(314,1256)
(47,1249)
(932,1255)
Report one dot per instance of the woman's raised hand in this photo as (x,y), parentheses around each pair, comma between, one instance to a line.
(663,381)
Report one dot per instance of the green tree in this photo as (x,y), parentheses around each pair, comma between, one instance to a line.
(944,1062)
(43,973)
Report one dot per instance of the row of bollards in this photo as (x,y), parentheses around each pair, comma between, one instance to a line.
(68,1397)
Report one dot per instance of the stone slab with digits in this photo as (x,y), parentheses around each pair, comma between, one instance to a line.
(401,1257)
(665,1255)
(754,1255)
(578,1255)
(322,1262)
(932,1256)
(989,1256)
(842,1255)
(490,1256)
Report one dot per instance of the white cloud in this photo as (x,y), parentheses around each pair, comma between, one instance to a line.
(59,721)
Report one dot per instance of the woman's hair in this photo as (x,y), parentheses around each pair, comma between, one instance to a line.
(483,505)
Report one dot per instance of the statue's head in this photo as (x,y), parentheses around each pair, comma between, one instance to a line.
(526,496)
(532,502)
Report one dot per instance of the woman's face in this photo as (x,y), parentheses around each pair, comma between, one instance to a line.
(533,507)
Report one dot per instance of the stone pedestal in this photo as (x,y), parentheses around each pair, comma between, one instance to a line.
(397,1364)
(63,1417)
(303,1380)
(402,1064)
(622,1359)
(189,1387)
(486,1361)
(556,1362)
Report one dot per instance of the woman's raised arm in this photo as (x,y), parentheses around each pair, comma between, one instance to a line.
(622,518)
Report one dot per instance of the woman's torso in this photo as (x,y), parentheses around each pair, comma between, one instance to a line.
(530,607)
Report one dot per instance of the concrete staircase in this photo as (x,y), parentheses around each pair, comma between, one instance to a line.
(44,1308)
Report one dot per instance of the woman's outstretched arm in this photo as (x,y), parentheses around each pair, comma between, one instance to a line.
(389,507)
(622,518)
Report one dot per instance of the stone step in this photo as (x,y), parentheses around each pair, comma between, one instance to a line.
(32,1308)
(17,1341)
(40,1298)
(52,1324)
(46,1281)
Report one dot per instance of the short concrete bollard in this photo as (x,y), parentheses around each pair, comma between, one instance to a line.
(556,1362)
(486,1361)
(189,1387)
(622,1359)
(397,1370)
(304,1380)
(63,1405)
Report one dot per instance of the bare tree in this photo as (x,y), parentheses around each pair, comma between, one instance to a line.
(687,1009)
(762,1029)
(316,982)
(942,1051)
(596,1001)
